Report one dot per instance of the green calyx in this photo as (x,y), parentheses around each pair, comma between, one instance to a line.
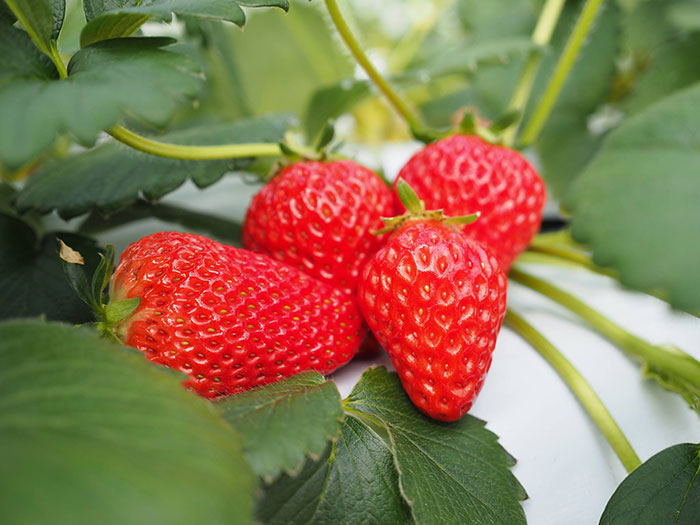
(108,316)
(491,131)
(321,149)
(415,211)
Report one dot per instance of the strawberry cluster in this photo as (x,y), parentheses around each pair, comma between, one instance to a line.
(316,273)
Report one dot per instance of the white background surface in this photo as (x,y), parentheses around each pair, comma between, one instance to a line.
(566,466)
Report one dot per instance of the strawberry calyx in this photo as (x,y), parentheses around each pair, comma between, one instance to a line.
(320,150)
(108,315)
(491,131)
(415,211)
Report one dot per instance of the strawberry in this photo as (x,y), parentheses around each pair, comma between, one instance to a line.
(463,173)
(318,216)
(435,299)
(228,318)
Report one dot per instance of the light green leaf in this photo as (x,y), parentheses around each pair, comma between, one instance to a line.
(112,176)
(636,204)
(353,482)
(283,423)
(41,18)
(449,473)
(94,433)
(32,282)
(119,18)
(685,15)
(665,489)
(106,81)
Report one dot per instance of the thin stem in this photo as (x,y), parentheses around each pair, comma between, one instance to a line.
(549,16)
(569,254)
(413,121)
(581,389)
(561,71)
(178,151)
(670,360)
(58,61)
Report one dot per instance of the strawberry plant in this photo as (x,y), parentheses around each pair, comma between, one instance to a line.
(167,360)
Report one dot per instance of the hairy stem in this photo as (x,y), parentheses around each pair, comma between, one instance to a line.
(549,16)
(581,389)
(669,360)
(561,71)
(413,121)
(178,151)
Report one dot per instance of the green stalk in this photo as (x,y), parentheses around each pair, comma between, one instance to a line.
(659,358)
(569,254)
(549,16)
(413,121)
(561,71)
(178,151)
(581,389)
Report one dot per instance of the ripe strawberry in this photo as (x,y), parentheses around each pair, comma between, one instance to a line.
(435,300)
(463,173)
(318,216)
(229,318)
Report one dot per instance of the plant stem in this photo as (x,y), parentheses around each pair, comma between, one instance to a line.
(561,71)
(569,254)
(413,121)
(55,57)
(178,151)
(549,16)
(581,389)
(667,359)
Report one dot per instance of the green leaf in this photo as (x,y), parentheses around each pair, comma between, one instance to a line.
(283,423)
(41,18)
(94,433)
(664,489)
(6,14)
(120,18)
(664,59)
(115,312)
(353,482)
(112,176)
(449,473)
(106,81)
(636,203)
(685,15)
(32,282)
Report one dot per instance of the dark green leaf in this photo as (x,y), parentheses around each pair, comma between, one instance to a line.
(636,203)
(665,489)
(106,81)
(112,176)
(122,17)
(354,482)
(283,423)
(32,281)
(93,433)
(450,473)
(41,18)
(6,15)
(331,102)
(20,59)
(77,278)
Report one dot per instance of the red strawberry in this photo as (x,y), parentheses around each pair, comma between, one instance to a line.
(463,173)
(318,216)
(230,319)
(435,300)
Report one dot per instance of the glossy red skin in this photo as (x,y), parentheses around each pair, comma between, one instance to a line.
(318,216)
(231,319)
(435,300)
(463,174)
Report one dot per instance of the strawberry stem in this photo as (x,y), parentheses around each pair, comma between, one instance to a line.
(580,388)
(179,151)
(672,368)
(561,71)
(549,16)
(418,129)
